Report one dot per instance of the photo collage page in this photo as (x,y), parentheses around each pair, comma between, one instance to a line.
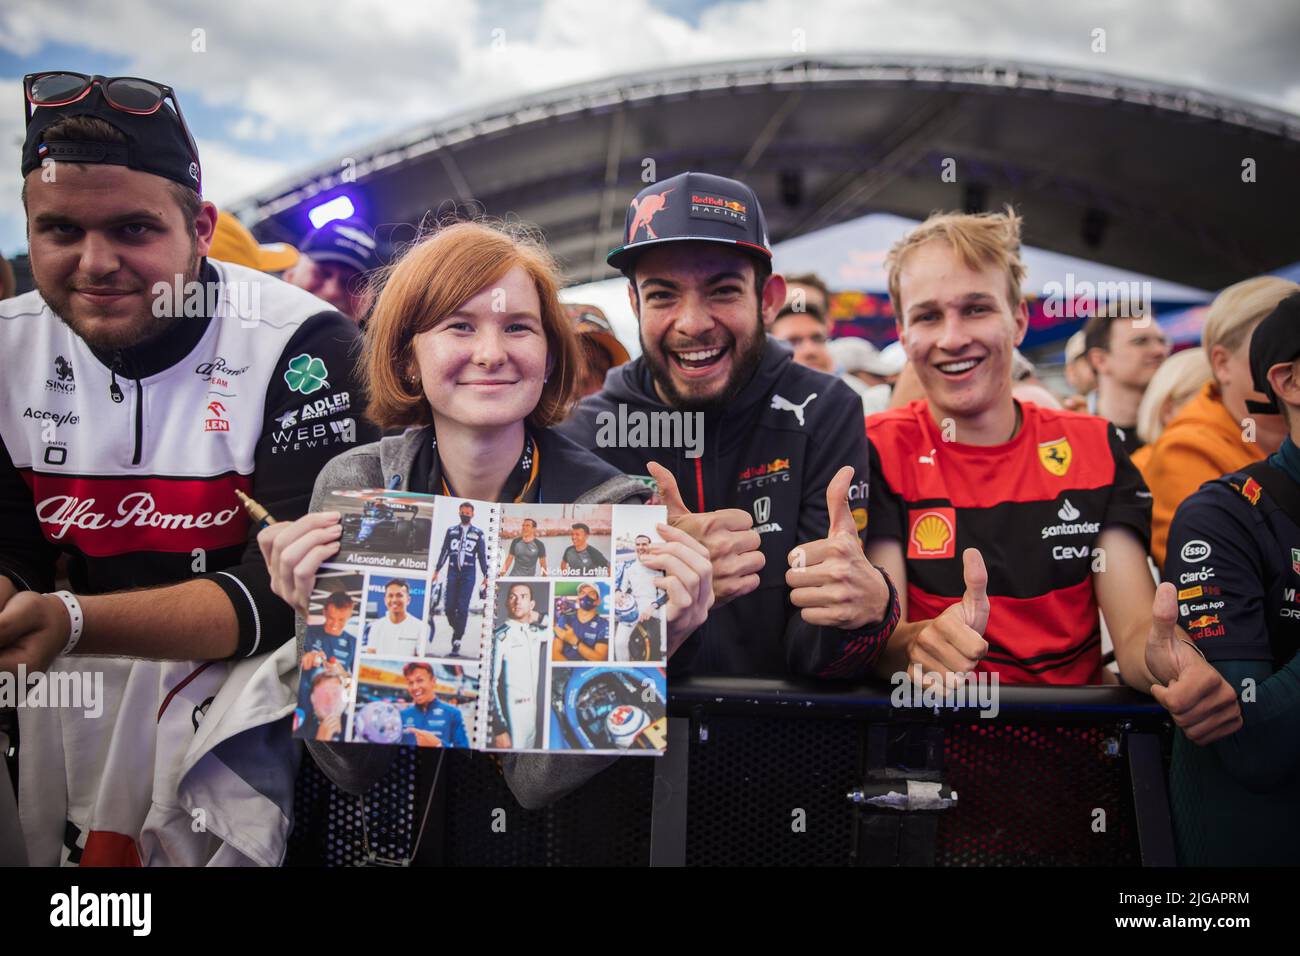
(428,595)
(579,636)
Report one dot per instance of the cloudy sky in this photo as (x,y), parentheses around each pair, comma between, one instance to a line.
(272,86)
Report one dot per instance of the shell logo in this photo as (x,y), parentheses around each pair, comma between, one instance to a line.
(932,533)
(860,518)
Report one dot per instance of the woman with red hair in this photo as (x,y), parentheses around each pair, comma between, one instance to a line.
(469,349)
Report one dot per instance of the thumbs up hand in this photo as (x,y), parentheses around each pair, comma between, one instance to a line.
(729,536)
(1196,695)
(1162,653)
(831,580)
(975,602)
(953,643)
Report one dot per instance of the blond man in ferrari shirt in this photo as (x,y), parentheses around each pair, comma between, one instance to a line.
(1048,496)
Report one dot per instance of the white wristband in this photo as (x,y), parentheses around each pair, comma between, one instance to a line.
(75,615)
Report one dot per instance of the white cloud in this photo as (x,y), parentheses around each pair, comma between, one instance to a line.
(229,175)
(320,79)
(13,224)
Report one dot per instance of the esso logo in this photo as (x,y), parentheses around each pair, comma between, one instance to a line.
(1194,552)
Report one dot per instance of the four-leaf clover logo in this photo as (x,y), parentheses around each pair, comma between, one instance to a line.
(306,374)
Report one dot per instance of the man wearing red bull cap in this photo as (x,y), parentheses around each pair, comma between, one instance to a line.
(1234,560)
(784,455)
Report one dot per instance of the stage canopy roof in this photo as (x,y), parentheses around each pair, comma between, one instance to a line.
(1124,172)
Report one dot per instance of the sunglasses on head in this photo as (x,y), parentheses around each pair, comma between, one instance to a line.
(128,94)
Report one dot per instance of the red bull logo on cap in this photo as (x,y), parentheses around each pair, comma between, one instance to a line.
(703,199)
(646,209)
(709,206)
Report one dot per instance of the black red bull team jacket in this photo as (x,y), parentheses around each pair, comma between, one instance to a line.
(771,451)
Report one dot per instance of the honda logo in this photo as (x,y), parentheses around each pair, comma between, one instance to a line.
(762,510)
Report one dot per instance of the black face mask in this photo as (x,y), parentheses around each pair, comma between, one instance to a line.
(464,519)
(586,603)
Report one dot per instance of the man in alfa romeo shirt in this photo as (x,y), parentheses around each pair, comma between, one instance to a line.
(144,386)
(771,496)
(133,418)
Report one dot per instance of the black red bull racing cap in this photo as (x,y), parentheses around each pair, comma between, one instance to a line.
(695,207)
(1274,341)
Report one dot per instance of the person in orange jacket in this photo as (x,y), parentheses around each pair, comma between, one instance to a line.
(1214,434)
(1182,377)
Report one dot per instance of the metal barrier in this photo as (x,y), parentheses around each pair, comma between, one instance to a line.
(776,773)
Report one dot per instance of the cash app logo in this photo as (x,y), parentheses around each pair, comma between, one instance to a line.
(306,374)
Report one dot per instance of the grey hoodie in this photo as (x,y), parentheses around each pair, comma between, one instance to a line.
(534,779)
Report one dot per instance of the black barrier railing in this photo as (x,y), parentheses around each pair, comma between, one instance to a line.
(770,773)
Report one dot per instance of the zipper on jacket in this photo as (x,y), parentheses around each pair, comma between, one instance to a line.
(139,422)
(115,390)
(699,482)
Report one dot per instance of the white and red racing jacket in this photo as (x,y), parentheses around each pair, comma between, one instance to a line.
(128,461)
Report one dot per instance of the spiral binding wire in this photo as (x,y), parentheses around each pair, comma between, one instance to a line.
(485,641)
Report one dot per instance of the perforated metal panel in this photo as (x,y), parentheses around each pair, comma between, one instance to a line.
(606,822)
(772,792)
(1029,795)
(328,827)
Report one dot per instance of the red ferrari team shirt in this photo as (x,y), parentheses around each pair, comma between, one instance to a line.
(1034,507)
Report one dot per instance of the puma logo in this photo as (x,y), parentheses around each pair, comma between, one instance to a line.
(646,210)
(926,459)
(785,405)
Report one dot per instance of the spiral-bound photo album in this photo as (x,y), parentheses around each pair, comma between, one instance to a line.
(451,622)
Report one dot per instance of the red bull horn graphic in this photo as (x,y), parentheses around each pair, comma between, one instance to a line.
(646,210)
